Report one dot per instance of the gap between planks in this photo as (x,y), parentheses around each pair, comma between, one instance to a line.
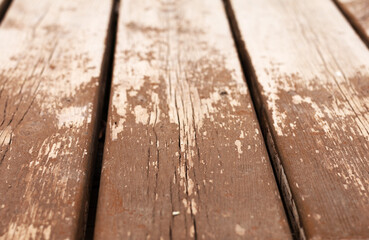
(107,68)
(278,170)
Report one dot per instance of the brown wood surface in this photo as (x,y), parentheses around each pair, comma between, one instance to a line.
(357,12)
(312,86)
(184,156)
(50,68)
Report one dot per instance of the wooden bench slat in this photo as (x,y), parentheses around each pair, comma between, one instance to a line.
(357,12)
(50,68)
(184,156)
(312,73)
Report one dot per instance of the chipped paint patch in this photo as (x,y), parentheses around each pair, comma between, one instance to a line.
(239,230)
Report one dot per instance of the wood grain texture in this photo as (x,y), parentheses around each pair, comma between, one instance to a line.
(357,12)
(312,74)
(50,68)
(184,156)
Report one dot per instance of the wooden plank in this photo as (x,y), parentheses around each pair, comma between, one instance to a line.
(50,68)
(357,12)
(184,155)
(311,83)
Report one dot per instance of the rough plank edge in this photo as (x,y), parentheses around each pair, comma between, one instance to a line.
(4,6)
(278,169)
(356,25)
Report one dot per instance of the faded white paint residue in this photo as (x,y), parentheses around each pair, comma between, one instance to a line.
(182,172)
(297,99)
(238,145)
(235,103)
(54,150)
(193,207)
(132,93)
(184,201)
(116,129)
(240,230)
(339,74)
(192,231)
(73,116)
(208,106)
(155,114)
(278,124)
(47,232)
(27,231)
(318,113)
(190,186)
(271,90)
(119,101)
(141,114)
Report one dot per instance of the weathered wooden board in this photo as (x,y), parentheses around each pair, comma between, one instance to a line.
(312,74)
(184,155)
(357,12)
(50,67)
